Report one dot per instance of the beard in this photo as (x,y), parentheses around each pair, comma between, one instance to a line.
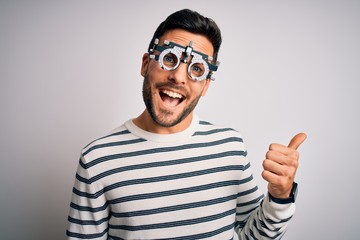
(165,118)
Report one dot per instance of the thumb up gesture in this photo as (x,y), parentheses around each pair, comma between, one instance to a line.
(280,166)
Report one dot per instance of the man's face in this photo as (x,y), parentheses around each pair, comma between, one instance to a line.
(171,96)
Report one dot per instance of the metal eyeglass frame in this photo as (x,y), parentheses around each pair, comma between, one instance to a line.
(178,50)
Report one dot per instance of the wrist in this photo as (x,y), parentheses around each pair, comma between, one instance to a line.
(289,199)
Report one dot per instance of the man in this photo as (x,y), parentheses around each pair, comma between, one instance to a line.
(169,175)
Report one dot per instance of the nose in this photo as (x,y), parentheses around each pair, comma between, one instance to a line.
(179,75)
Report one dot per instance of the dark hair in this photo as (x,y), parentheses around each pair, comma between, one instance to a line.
(193,22)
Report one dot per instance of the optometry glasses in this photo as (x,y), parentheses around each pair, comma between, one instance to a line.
(171,55)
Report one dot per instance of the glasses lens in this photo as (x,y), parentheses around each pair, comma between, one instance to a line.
(197,70)
(170,60)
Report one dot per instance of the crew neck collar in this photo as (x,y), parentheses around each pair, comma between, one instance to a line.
(156,137)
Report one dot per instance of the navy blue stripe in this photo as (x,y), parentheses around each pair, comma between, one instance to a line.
(252,235)
(88,195)
(115,238)
(262,233)
(240,194)
(240,224)
(176,207)
(112,144)
(204,235)
(247,212)
(202,122)
(278,222)
(265,226)
(82,179)
(203,133)
(160,164)
(175,223)
(87,222)
(179,191)
(89,209)
(81,163)
(86,236)
(250,202)
(160,150)
(123,132)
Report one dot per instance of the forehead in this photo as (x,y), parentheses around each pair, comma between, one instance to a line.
(182,37)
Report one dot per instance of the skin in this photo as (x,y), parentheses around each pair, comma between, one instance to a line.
(280,165)
(281,162)
(166,119)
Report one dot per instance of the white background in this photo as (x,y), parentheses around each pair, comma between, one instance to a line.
(70,72)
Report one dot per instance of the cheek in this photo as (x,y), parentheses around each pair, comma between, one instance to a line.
(197,92)
(153,71)
(205,88)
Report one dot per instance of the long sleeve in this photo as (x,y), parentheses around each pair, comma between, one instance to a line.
(89,210)
(260,218)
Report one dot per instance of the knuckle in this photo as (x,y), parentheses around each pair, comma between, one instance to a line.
(265,175)
(268,154)
(293,162)
(265,163)
(272,146)
(296,154)
(288,173)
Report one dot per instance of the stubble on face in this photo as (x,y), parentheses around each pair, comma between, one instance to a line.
(166,118)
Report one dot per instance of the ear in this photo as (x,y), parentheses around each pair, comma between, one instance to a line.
(206,87)
(145,64)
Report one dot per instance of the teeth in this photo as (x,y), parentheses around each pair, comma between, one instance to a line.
(172,94)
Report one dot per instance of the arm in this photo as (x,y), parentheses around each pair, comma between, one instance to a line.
(264,218)
(89,211)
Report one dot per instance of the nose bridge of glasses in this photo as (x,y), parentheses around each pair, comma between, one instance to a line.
(194,64)
(188,51)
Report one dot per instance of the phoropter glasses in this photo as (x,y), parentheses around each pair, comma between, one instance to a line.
(170,58)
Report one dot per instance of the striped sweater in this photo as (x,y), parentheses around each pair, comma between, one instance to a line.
(196,184)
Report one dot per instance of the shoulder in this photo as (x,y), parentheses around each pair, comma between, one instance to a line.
(220,138)
(221,134)
(120,136)
(208,128)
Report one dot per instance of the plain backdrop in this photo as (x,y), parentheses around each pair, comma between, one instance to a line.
(70,73)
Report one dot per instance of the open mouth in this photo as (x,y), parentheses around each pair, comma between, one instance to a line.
(170,98)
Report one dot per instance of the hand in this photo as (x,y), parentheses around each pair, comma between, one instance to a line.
(280,166)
